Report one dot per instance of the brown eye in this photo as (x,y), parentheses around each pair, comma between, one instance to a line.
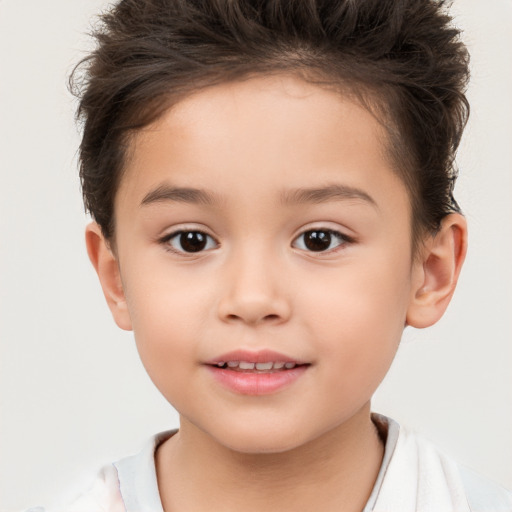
(190,241)
(319,240)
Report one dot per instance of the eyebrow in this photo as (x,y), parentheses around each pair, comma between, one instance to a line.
(333,192)
(165,193)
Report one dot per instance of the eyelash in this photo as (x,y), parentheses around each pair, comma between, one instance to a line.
(166,241)
(342,239)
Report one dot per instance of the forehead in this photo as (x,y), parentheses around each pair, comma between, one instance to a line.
(259,136)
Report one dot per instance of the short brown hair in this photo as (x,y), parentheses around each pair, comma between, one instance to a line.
(402,58)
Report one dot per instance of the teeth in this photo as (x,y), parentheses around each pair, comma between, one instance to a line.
(264,366)
(246,365)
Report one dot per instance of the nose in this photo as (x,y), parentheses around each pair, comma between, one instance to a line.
(254,292)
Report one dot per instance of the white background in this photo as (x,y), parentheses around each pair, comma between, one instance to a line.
(73,393)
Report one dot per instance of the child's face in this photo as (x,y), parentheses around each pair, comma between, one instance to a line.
(305,251)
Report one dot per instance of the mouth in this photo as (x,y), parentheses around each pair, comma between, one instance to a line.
(261,367)
(256,373)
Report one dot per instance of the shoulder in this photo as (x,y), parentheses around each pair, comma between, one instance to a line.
(102,496)
(483,494)
(421,477)
(128,484)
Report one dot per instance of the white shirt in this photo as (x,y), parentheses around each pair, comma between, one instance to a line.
(415,476)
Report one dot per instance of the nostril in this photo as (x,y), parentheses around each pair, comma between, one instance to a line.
(266,317)
(253,309)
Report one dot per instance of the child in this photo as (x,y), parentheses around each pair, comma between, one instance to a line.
(271,187)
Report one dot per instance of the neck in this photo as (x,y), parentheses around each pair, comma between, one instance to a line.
(333,472)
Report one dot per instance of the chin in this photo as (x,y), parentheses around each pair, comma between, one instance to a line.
(262,444)
(261,439)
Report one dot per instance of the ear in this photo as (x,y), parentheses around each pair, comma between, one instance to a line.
(437,272)
(107,268)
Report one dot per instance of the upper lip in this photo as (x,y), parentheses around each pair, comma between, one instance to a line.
(256,356)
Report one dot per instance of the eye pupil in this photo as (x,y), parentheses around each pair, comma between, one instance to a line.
(193,241)
(317,240)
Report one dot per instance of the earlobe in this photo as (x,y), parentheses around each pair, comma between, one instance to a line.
(437,272)
(107,267)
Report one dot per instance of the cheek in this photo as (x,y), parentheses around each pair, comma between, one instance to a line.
(168,313)
(161,296)
(360,322)
(358,299)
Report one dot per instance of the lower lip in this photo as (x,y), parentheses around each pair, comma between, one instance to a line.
(252,383)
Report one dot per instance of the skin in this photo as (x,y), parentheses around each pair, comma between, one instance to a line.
(311,445)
